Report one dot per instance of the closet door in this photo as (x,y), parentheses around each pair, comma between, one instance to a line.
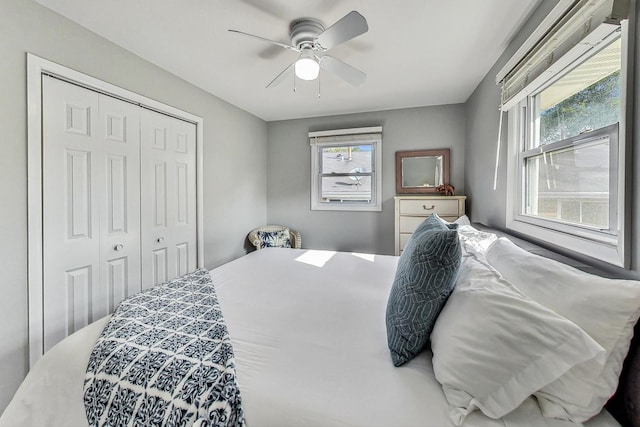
(91,229)
(120,274)
(168,197)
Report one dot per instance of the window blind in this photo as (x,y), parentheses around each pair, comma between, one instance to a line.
(346,135)
(582,26)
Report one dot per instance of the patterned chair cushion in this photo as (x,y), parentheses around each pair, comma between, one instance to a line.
(424,280)
(274,239)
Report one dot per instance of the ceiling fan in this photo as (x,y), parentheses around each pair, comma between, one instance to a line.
(311,40)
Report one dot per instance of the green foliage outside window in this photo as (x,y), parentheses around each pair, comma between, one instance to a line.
(592,108)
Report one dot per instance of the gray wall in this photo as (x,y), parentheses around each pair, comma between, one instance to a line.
(233,141)
(488,206)
(289,173)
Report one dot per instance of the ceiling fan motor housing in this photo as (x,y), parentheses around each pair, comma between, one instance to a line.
(304,31)
(311,40)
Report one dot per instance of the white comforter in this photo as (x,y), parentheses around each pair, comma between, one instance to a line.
(308,332)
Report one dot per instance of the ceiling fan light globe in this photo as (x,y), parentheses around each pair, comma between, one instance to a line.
(307,69)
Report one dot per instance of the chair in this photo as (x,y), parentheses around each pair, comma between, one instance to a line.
(274,236)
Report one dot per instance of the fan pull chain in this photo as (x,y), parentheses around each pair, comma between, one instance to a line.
(294,81)
(319,85)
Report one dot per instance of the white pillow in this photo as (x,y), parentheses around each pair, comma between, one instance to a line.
(474,241)
(463,220)
(493,347)
(606,309)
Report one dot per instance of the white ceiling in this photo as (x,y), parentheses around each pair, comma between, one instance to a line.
(416,52)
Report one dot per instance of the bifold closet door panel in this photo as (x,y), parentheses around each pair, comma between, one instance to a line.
(91,230)
(120,274)
(168,197)
(71,222)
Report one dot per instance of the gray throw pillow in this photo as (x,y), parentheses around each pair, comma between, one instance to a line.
(424,280)
(433,222)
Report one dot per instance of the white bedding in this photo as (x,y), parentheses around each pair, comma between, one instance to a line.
(309,336)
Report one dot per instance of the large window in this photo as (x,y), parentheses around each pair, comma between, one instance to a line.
(570,160)
(565,144)
(346,169)
(574,181)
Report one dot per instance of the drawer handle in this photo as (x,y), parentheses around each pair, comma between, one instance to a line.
(428,209)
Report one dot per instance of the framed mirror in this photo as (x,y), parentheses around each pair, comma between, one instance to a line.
(421,171)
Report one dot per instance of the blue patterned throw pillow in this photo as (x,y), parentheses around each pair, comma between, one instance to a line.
(274,239)
(424,280)
(434,222)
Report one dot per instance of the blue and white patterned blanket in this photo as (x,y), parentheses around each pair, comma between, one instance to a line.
(165,359)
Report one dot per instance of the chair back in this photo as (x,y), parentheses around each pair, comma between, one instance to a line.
(257,235)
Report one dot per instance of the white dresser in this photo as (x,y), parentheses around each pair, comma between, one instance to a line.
(412,210)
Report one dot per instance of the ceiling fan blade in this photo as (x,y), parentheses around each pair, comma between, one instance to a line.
(280,77)
(346,72)
(286,46)
(349,26)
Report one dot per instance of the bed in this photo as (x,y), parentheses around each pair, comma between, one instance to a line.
(308,334)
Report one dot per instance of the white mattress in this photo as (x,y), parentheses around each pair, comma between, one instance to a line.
(308,330)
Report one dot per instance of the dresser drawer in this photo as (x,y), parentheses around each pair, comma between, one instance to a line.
(411,211)
(404,238)
(409,223)
(427,207)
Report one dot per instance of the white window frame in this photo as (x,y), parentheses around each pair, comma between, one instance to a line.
(610,246)
(341,138)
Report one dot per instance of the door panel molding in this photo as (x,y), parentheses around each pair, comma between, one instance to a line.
(167,180)
(77,124)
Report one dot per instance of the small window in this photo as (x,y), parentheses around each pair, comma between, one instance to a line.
(346,170)
(346,173)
